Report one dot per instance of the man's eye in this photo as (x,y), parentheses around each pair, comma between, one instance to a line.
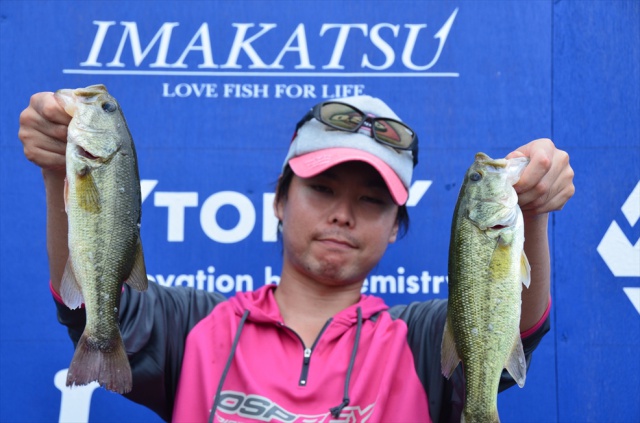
(373,200)
(321,188)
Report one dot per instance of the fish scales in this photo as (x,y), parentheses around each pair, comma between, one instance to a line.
(486,269)
(103,204)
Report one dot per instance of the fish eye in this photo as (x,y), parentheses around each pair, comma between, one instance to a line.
(109,106)
(475,176)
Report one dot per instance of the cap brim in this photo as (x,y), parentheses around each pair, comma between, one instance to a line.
(314,163)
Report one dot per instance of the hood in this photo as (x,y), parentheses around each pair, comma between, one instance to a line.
(263,308)
(260,306)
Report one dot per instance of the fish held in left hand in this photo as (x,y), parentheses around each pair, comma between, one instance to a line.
(487,268)
(103,205)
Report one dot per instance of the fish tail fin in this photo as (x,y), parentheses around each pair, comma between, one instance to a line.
(103,361)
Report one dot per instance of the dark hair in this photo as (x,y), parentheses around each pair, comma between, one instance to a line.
(282,189)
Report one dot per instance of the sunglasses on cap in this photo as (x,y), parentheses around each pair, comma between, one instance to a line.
(344,117)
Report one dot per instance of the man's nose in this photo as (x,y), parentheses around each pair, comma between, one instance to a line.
(342,213)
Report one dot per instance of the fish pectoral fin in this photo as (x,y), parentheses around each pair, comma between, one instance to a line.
(449,358)
(70,289)
(87,193)
(66,195)
(138,277)
(525,270)
(516,364)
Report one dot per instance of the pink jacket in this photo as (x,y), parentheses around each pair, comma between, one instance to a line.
(180,342)
(359,369)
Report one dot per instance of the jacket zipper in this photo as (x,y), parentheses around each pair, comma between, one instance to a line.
(305,367)
(306,355)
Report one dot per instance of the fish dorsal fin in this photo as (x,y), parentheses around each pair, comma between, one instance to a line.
(449,358)
(525,270)
(70,289)
(138,277)
(516,364)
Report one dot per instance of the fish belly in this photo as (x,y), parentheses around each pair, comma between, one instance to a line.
(102,246)
(485,309)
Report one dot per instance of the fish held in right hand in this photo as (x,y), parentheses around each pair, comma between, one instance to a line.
(103,204)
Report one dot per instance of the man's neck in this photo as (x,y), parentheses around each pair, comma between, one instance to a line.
(306,305)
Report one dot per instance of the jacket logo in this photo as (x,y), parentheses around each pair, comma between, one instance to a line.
(263,409)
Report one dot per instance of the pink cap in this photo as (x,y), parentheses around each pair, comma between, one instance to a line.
(314,163)
(316,147)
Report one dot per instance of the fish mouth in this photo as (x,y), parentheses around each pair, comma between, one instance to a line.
(84,153)
(506,222)
(66,98)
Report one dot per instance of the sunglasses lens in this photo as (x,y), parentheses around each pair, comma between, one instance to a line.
(393,132)
(346,118)
(340,116)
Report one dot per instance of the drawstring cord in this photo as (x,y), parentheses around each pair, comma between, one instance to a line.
(335,411)
(228,365)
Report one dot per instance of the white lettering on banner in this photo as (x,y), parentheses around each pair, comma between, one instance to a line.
(75,401)
(246,90)
(341,90)
(295,91)
(412,284)
(442,35)
(187,90)
(269,277)
(146,187)
(382,39)
(176,204)
(383,46)
(416,191)
(618,252)
(269,218)
(208,281)
(245,223)
(233,90)
(422,283)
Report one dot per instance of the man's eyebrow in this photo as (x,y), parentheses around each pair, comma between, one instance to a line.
(327,174)
(373,182)
(377,182)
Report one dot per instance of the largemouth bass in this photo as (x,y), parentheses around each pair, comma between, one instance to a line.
(102,200)
(487,267)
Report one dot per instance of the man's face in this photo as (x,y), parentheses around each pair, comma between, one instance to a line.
(337,225)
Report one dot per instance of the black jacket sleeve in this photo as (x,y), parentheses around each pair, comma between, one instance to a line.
(425,322)
(154,326)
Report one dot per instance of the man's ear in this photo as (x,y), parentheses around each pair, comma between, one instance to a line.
(278,206)
(278,201)
(394,232)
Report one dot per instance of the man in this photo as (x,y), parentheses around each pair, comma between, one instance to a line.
(313,347)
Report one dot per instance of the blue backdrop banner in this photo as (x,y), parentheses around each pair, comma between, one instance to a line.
(212,91)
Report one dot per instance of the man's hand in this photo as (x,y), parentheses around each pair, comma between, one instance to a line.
(43,132)
(547,182)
